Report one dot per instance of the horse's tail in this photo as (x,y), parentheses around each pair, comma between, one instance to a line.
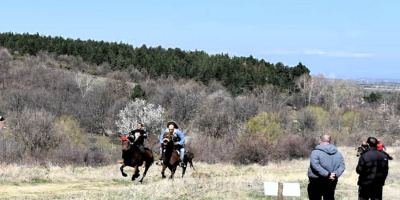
(388,156)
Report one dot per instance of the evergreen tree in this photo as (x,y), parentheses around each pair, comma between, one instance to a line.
(137,93)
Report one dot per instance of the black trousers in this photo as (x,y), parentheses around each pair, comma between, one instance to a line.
(318,188)
(370,192)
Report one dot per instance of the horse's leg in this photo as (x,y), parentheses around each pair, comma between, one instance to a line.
(145,172)
(136,174)
(173,169)
(184,170)
(163,171)
(122,171)
(191,164)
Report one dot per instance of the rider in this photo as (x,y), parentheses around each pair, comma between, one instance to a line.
(178,138)
(137,137)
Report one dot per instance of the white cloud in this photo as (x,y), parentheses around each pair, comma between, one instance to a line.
(337,54)
(320,53)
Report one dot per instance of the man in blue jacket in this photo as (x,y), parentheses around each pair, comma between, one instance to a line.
(178,138)
(326,166)
(373,168)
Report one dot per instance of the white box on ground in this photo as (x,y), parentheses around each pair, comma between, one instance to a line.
(271,188)
(289,189)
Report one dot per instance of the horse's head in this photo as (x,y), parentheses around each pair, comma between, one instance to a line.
(167,138)
(125,144)
(360,150)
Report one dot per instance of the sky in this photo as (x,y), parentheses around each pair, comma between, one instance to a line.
(339,39)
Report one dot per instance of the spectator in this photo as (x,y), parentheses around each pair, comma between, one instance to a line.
(326,166)
(373,168)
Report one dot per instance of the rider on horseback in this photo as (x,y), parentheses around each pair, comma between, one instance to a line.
(178,138)
(137,137)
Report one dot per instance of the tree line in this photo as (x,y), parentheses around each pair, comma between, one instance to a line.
(238,74)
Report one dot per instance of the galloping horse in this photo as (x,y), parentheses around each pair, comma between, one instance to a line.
(134,158)
(171,157)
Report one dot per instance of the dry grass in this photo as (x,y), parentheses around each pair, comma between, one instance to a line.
(218,181)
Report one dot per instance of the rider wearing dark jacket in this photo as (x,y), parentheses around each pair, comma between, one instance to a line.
(373,168)
(138,136)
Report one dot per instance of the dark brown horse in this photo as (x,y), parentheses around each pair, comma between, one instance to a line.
(171,157)
(362,148)
(134,158)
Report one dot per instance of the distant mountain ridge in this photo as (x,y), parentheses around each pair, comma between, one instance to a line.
(378,80)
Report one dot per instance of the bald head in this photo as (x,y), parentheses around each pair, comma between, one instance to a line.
(325,138)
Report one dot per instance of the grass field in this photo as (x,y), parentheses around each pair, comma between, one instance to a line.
(217,181)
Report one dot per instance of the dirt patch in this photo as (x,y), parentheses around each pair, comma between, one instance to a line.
(51,189)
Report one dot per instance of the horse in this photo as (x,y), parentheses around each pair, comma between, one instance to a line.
(133,157)
(171,157)
(362,148)
(188,158)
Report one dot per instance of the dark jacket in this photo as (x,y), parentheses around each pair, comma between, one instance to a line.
(373,168)
(324,160)
(137,136)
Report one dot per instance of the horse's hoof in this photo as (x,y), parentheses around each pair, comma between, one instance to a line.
(124,175)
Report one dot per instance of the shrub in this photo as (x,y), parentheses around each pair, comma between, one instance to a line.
(251,149)
(266,125)
(10,149)
(320,116)
(66,125)
(35,132)
(306,120)
(351,120)
(293,147)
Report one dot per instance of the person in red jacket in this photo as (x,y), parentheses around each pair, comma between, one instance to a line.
(380,145)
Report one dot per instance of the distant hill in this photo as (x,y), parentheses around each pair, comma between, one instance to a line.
(378,80)
(238,74)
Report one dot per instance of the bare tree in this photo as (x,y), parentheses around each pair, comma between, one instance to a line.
(343,93)
(245,107)
(185,102)
(85,83)
(270,99)
(216,116)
